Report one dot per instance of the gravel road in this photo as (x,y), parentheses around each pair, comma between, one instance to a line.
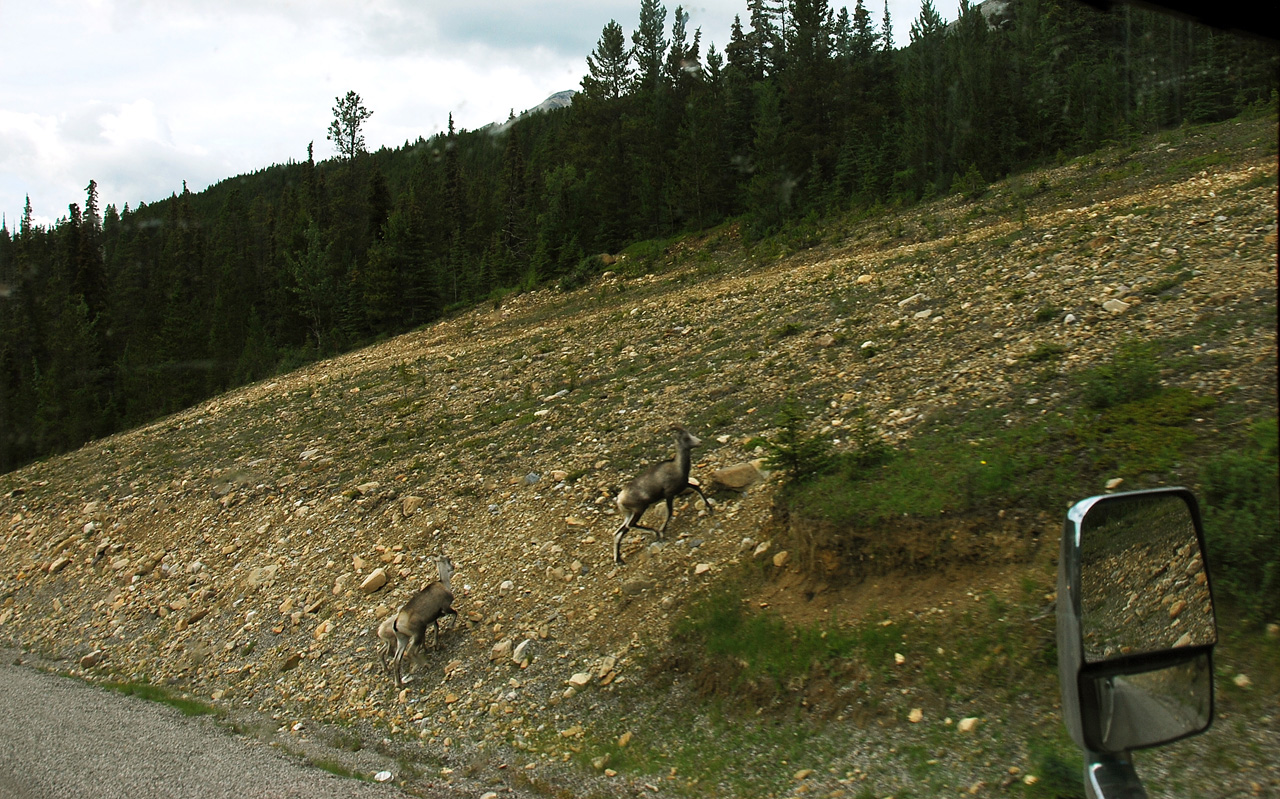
(65,738)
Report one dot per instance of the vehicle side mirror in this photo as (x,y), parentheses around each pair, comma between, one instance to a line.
(1136,629)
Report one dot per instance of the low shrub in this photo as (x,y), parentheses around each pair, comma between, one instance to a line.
(1241,492)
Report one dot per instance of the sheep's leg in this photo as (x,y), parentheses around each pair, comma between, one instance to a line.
(666,521)
(396,661)
(414,640)
(632,521)
(386,654)
(618,535)
(706,502)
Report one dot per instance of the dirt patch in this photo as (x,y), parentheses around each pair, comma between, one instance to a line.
(842,553)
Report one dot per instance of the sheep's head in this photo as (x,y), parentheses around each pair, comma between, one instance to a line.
(684,437)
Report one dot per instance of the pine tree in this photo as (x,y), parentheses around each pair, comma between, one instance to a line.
(349,116)
(650,46)
(609,74)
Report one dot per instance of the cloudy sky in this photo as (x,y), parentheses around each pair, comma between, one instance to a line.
(141,95)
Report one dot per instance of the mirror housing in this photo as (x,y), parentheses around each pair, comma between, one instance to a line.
(1136,626)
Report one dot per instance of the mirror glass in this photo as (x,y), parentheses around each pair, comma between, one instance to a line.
(1143,586)
(1131,711)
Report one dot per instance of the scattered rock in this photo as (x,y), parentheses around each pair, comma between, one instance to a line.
(523,652)
(968,724)
(376,579)
(410,505)
(737,477)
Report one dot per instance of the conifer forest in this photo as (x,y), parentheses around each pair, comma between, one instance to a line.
(113,316)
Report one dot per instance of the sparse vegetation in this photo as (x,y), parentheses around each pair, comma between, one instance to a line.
(155,693)
(1242,522)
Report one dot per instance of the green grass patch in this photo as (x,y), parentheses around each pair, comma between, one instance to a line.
(1046,351)
(1047,313)
(155,693)
(1205,161)
(1121,422)
(336,768)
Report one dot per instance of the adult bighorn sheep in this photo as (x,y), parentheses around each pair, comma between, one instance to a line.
(406,629)
(666,480)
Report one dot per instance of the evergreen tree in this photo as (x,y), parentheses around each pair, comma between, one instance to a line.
(650,46)
(349,116)
(609,74)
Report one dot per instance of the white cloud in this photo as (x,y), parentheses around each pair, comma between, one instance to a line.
(140,95)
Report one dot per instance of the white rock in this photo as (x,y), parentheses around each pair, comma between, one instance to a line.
(522,652)
(580,680)
(968,724)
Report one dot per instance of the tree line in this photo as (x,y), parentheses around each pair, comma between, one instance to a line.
(110,318)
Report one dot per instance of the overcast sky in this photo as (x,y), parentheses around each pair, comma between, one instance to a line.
(141,95)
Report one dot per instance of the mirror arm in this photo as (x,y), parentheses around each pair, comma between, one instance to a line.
(1111,776)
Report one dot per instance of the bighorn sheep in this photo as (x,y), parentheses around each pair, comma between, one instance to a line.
(666,480)
(408,628)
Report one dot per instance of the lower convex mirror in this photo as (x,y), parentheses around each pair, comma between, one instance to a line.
(1136,625)
(1136,709)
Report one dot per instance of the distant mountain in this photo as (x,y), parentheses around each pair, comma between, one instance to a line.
(562,99)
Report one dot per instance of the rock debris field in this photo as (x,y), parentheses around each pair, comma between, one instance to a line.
(241,552)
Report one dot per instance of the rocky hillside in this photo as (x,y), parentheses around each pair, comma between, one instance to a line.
(242,551)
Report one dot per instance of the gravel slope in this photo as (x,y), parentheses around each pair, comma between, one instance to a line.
(241,552)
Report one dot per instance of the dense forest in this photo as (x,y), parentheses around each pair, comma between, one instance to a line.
(111,317)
